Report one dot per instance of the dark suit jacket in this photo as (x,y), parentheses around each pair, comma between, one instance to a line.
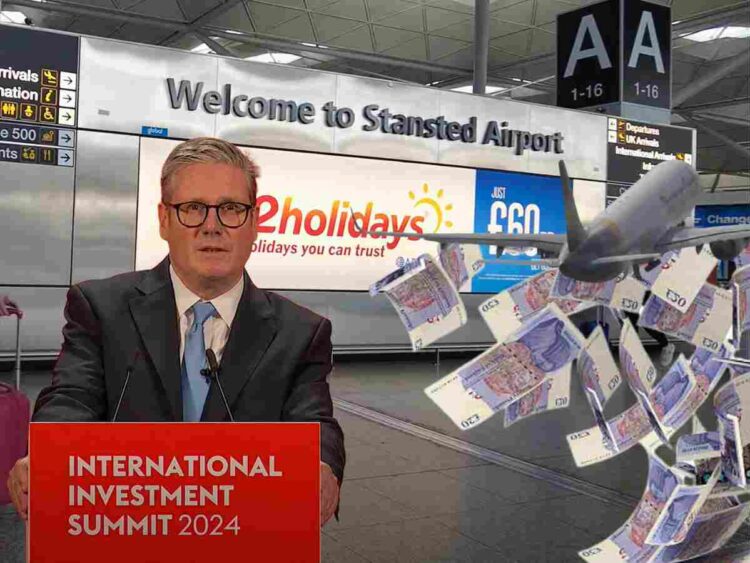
(273,368)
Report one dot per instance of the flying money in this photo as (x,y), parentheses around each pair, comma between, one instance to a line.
(505,311)
(545,343)
(691,447)
(705,323)
(675,519)
(743,259)
(709,532)
(599,377)
(629,541)
(623,293)
(596,366)
(683,276)
(461,262)
(426,301)
(651,271)
(638,370)
(552,394)
(741,280)
(464,407)
(637,424)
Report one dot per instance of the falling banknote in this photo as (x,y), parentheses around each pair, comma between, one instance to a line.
(683,276)
(505,311)
(709,531)
(599,378)
(705,323)
(651,271)
(638,370)
(741,280)
(461,262)
(622,293)
(629,541)
(743,259)
(704,445)
(685,502)
(545,344)
(636,424)
(553,393)
(731,404)
(425,299)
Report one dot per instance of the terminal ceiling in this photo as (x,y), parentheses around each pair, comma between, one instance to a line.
(430,42)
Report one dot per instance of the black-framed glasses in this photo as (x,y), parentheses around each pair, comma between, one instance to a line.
(232,214)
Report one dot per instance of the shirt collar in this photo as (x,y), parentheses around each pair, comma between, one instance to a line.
(225,304)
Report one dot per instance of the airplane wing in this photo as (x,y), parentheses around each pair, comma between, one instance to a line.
(633,258)
(693,236)
(546,242)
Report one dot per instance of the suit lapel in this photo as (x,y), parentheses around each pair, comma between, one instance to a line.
(155,316)
(253,329)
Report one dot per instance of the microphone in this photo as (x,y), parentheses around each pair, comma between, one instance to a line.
(128,373)
(213,373)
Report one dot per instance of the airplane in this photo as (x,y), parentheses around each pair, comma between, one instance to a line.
(637,228)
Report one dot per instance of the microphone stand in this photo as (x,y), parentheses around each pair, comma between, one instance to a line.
(213,374)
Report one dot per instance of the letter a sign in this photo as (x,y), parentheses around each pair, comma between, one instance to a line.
(595,68)
(646,61)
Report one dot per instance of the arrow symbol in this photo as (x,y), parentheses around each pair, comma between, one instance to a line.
(65,157)
(68,80)
(67,116)
(67,98)
(66,137)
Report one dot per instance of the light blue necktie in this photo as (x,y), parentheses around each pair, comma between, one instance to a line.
(194,385)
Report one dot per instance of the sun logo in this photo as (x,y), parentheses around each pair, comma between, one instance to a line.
(433,206)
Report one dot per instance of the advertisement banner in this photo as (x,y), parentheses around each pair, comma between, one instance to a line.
(307,237)
(508,202)
(722,215)
(174,492)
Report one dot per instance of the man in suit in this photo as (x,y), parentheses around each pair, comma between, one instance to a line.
(274,355)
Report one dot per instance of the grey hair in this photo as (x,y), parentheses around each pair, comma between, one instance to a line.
(209,149)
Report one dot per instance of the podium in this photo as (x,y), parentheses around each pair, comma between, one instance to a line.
(174,492)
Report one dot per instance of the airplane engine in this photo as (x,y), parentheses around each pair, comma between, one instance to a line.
(728,249)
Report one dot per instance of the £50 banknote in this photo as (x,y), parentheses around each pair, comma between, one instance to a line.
(623,293)
(505,311)
(705,323)
(426,301)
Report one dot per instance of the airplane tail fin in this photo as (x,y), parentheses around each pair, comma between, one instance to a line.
(576,232)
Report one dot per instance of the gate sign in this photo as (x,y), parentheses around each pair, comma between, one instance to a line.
(647,62)
(588,56)
(614,51)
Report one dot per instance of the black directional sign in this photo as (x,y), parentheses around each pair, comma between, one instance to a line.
(647,61)
(38,76)
(612,52)
(38,96)
(634,148)
(588,56)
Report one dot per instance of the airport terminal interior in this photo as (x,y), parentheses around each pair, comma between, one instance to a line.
(554,121)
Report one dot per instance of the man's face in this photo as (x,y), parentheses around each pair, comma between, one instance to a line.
(211,253)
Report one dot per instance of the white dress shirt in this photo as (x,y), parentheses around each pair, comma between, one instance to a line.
(215,329)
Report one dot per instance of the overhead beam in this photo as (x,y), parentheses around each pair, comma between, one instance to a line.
(297,48)
(710,78)
(214,45)
(727,102)
(98,12)
(202,20)
(738,149)
(255,39)
(742,122)
(695,22)
(481,44)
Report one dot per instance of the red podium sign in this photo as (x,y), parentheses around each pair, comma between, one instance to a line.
(174,492)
